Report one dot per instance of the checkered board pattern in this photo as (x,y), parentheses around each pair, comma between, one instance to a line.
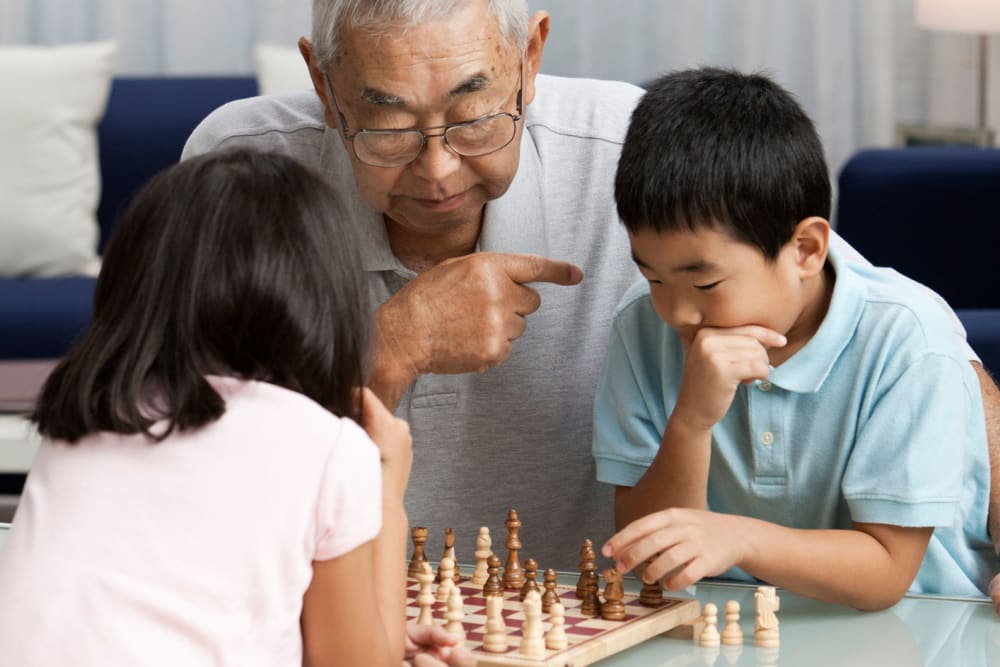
(589,638)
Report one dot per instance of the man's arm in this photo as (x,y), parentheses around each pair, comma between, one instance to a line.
(991,408)
(461,316)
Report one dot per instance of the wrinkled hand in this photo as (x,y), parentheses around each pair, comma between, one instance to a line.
(433,646)
(464,314)
(718,360)
(686,545)
(392,436)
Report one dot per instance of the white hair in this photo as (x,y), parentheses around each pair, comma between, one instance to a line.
(333,18)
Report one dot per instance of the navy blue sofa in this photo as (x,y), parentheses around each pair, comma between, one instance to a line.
(932,214)
(144,129)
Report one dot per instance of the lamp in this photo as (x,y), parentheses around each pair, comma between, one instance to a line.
(971,16)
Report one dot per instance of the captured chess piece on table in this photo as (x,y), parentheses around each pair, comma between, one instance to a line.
(732,634)
(767,602)
(709,636)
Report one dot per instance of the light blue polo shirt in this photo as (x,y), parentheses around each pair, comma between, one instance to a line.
(877,419)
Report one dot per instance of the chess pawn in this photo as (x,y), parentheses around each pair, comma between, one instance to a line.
(532,644)
(495,639)
(447,585)
(765,632)
(493,586)
(549,597)
(449,552)
(709,636)
(587,563)
(484,546)
(455,615)
(732,634)
(513,577)
(425,597)
(590,605)
(419,534)
(651,594)
(530,578)
(556,638)
(613,608)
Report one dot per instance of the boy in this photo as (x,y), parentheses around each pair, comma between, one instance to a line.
(798,420)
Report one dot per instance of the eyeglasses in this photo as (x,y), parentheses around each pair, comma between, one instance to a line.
(470,138)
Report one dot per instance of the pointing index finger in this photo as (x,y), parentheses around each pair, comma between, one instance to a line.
(535,268)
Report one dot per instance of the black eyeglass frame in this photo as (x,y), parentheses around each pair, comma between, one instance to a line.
(422,131)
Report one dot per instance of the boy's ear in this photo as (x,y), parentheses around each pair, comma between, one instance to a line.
(812,241)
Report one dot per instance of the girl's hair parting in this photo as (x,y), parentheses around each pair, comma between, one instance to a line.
(234,263)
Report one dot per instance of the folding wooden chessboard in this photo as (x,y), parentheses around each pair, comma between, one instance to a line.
(590,638)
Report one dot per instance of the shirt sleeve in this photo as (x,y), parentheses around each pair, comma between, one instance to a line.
(349,508)
(629,413)
(908,461)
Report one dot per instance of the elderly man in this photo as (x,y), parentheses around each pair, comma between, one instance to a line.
(484,191)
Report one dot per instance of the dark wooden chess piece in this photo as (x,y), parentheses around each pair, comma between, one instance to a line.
(530,578)
(493,585)
(419,534)
(549,597)
(613,608)
(587,563)
(651,595)
(513,577)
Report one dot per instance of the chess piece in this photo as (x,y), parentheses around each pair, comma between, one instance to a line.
(709,636)
(590,604)
(455,615)
(587,563)
(513,577)
(532,644)
(530,578)
(484,546)
(765,630)
(419,534)
(449,552)
(613,608)
(447,585)
(493,586)
(550,597)
(425,597)
(651,594)
(732,634)
(495,639)
(556,638)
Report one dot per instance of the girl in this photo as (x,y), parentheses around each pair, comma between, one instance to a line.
(202,496)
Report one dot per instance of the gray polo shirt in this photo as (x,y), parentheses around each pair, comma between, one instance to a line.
(517,436)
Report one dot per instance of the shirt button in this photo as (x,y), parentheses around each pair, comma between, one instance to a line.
(767,438)
(765,386)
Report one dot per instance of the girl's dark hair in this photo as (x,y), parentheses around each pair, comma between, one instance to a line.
(713,147)
(235,263)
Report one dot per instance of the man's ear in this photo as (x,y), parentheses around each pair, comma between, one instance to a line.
(319,81)
(812,241)
(538,32)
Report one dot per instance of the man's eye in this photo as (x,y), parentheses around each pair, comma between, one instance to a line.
(708,286)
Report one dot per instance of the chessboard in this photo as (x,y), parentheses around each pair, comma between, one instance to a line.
(589,638)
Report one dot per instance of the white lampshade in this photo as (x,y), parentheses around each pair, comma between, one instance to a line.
(978,16)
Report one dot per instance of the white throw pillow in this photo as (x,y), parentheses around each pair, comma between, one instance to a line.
(280,69)
(53,99)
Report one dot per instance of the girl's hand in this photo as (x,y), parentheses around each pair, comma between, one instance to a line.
(685,545)
(718,360)
(392,435)
(433,646)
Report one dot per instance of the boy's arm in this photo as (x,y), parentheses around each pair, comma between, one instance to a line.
(991,408)
(869,567)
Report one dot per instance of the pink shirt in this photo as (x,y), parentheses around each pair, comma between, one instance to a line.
(194,551)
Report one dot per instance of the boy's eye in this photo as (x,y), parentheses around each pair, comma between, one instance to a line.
(708,286)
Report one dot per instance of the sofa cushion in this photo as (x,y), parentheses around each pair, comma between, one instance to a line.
(40,318)
(49,185)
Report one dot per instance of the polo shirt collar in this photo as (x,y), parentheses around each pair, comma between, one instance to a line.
(512,224)
(808,368)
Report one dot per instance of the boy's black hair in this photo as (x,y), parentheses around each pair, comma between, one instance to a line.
(236,263)
(716,148)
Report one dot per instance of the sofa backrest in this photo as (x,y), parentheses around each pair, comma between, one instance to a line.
(148,119)
(931,213)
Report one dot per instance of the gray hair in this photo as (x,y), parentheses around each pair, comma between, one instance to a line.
(332,18)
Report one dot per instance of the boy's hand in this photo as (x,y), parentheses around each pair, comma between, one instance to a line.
(685,545)
(392,435)
(718,360)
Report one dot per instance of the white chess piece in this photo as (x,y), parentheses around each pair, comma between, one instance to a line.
(709,636)
(732,634)
(484,550)
(532,644)
(556,638)
(447,580)
(455,615)
(495,639)
(425,597)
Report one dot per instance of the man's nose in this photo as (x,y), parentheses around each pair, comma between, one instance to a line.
(436,160)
